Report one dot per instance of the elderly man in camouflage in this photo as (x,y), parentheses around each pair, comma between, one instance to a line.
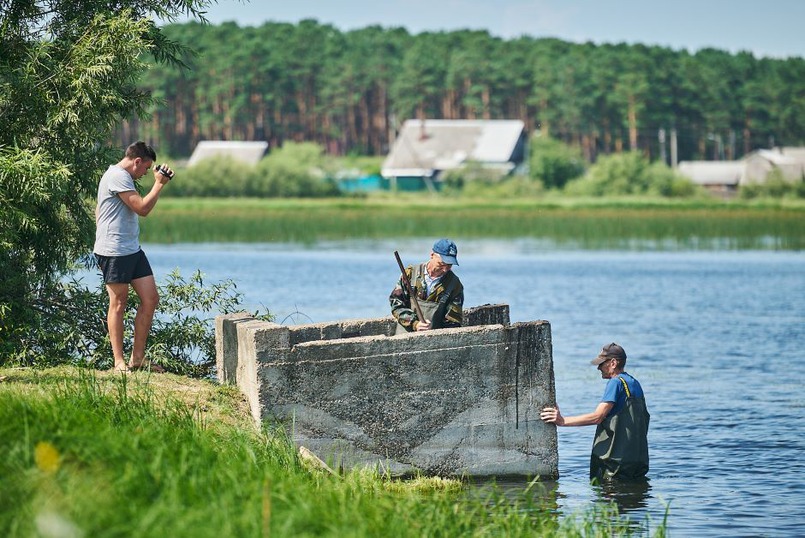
(438,291)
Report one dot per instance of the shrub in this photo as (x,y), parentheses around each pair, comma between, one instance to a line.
(473,180)
(553,162)
(472,172)
(215,176)
(775,186)
(294,170)
(70,327)
(631,174)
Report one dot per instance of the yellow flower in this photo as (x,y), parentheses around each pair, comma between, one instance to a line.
(46,457)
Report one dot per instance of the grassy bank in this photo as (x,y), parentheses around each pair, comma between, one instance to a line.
(587,223)
(98,454)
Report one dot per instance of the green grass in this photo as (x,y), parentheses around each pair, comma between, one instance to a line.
(98,454)
(581,222)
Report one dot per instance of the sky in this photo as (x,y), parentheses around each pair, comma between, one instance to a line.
(770,28)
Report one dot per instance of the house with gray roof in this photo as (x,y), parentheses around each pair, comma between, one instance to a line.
(789,162)
(424,149)
(719,177)
(725,177)
(246,152)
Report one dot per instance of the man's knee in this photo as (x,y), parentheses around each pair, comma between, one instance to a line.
(118,296)
(150,300)
(117,306)
(146,290)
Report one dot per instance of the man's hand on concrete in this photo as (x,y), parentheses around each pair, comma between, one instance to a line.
(552,415)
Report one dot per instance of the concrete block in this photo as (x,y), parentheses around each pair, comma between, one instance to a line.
(450,402)
(226,345)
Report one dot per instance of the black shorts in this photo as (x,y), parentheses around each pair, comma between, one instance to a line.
(124,269)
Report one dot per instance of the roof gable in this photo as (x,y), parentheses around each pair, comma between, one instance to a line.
(247,152)
(712,172)
(425,147)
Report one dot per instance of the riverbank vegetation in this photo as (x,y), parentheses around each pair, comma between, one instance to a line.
(70,325)
(615,222)
(100,454)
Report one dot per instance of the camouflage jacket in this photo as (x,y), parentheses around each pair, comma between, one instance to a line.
(400,302)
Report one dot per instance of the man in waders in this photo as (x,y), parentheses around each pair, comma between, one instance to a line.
(437,289)
(620,447)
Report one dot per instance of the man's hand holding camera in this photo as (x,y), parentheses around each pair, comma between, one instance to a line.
(164,171)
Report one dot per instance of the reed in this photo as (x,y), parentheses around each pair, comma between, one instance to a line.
(590,224)
(97,454)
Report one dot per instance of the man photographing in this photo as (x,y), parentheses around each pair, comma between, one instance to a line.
(117,249)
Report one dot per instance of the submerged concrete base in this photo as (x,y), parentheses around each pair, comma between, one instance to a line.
(449,402)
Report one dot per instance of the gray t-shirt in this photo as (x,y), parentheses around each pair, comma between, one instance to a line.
(118,229)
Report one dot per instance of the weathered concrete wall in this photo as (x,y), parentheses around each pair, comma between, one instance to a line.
(451,402)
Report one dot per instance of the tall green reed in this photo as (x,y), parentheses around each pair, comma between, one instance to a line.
(615,226)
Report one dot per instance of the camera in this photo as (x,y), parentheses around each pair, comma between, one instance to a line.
(164,171)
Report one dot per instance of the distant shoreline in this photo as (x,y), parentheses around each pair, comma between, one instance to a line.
(591,223)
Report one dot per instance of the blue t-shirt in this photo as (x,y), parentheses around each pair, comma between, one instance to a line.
(615,393)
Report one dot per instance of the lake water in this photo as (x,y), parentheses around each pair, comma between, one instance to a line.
(716,338)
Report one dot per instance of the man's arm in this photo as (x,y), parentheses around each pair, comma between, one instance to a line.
(142,205)
(552,415)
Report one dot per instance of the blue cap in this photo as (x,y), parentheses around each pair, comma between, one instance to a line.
(447,250)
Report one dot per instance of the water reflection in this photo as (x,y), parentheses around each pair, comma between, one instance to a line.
(627,495)
(617,500)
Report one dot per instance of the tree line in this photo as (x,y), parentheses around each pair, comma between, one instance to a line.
(349,91)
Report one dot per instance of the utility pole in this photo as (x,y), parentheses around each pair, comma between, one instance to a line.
(661,139)
(732,144)
(673,148)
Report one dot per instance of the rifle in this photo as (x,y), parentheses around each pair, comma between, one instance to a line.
(409,289)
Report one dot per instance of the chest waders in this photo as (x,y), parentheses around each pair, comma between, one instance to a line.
(432,310)
(620,447)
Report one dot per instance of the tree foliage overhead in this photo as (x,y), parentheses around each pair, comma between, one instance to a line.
(69,73)
(349,91)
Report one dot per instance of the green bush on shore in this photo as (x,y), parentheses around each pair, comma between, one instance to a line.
(555,167)
(631,174)
(775,186)
(553,162)
(69,326)
(159,455)
(296,170)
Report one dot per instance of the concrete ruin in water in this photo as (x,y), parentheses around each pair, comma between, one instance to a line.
(460,402)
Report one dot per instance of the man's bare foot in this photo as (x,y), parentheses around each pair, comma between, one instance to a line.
(147,366)
(121,368)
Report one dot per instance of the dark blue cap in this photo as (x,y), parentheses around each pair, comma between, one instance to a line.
(447,250)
